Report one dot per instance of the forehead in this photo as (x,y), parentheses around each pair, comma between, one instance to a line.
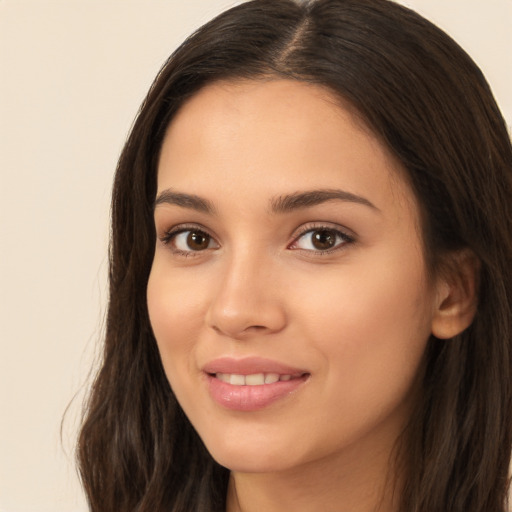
(271,137)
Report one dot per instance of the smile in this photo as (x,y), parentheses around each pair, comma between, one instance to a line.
(251,383)
(255,379)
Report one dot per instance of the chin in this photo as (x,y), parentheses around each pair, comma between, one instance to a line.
(252,463)
(252,456)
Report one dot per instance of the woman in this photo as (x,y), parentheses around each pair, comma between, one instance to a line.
(310,274)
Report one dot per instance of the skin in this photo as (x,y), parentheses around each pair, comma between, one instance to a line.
(357,317)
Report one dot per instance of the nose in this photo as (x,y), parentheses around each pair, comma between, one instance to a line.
(247,301)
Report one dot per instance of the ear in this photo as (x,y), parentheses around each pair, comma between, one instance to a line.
(457,294)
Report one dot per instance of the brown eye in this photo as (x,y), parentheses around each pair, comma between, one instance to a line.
(197,240)
(191,240)
(321,240)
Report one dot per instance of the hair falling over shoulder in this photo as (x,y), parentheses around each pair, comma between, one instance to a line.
(421,94)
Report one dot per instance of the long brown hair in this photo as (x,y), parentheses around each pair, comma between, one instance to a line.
(429,103)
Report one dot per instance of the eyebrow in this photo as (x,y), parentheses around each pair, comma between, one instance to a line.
(191,201)
(299,200)
(281,204)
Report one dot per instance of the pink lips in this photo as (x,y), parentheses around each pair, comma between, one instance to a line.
(251,397)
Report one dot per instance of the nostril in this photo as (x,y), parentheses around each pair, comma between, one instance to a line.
(245,320)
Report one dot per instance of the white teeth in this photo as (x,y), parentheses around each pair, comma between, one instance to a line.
(237,380)
(270,378)
(255,379)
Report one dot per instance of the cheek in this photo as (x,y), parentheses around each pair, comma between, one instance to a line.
(371,324)
(377,296)
(176,308)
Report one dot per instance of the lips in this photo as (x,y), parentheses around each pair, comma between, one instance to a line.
(250,365)
(254,379)
(251,384)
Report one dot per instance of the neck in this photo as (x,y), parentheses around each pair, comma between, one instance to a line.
(351,482)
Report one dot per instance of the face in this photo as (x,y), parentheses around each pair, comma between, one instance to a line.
(288,294)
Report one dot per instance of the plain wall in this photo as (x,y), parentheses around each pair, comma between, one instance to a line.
(72,75)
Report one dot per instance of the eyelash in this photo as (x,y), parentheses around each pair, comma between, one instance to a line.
(346,239)
(170,235)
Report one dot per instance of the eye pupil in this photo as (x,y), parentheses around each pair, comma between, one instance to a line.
(323,239)
(198,241)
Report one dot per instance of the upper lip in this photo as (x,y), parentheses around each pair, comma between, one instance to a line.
(250,366)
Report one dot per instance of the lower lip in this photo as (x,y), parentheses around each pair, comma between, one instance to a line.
(251,398)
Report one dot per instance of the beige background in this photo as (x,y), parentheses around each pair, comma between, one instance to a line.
(72,75)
